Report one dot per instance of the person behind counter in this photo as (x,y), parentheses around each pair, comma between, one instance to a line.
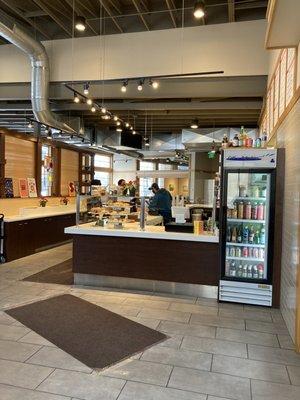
(121,187)
(161,202)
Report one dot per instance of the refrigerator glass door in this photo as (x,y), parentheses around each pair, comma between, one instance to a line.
(247,225)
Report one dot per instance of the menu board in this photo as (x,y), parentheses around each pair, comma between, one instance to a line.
(23,188)
(31,187)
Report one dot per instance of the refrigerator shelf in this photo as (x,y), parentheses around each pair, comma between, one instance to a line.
(251,198)
(250,221)
(245,258)
(245,244)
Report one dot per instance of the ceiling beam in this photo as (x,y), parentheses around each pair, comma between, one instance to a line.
(53,16)
(139,10)
(231,11)
(171,7)
(254,4)
(13,7)
(116,5)
(110,13)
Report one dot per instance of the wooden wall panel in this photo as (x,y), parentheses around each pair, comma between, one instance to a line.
(20,160)
(288,137)
(69,169)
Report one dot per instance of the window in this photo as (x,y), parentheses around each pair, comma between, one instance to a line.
(183,167)
(103,170)
(102,161)
(145,183)
(147,166)
(103,176)
(161,182)
(164,167)
(47,171)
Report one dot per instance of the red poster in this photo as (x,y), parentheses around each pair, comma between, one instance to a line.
(23,188)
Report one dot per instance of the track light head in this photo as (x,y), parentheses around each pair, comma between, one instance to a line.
(89,102)
(118,123)
(76,98)
(124,86)
(134,132)
(80,23)
(115,118)
(127,124)
(119,129)
(93,109)
(140,85)
(86,88)
(199,9)
(153,84)
(103,110)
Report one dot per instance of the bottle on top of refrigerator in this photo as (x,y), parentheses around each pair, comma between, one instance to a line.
(240,210)
(233,235)
(235,141)
(260,269)
(260,211)
(254,211)
(249,271)
(251,235)
(263,192)
(245,234)
(257,237)
(225,142)
(255,191)
(264,139)
(247,210)
(239,235)
(241,136)
(255,272)
(242,191)
(249,142)
(262,236)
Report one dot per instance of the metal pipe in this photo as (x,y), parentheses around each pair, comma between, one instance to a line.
(40,75)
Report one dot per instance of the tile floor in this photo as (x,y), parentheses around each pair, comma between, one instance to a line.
(215,352)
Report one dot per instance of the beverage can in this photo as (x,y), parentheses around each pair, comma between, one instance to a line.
(245,252)
(247,212)
(249,271)
(261,253)
(234,211)
(250,252)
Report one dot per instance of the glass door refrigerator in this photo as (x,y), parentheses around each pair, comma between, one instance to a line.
(247,225)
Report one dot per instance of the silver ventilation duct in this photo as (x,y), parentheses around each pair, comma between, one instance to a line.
(39,75)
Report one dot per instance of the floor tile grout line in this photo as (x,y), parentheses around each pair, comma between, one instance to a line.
(288,374)
(168,380)
(125,383)
(53,369)
(25,361)
(34,390)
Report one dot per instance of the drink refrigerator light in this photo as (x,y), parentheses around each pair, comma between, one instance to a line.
(248,185)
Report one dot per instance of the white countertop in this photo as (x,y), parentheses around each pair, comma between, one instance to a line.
(46,214)
(132,230)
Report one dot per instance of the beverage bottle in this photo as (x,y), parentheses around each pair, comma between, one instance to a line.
(250,252)
(233,235)
(249,142)
(244,274)
(251,235)
(245,252)
(235,141)
(232,252)
(228,236)
(255,252)
(260,269)
(242,191)
(254,211)
(241,136)
(234,212)
(257,237)
(249,271)
(247,212)
(225,141)
(229,213)
(255,191)
(245,234)
(262,236)
(239,237)
(255,272)
(241,210)
(238,252)
(261,253)
(258,142)
(240,271)
(260,211)
(232,269)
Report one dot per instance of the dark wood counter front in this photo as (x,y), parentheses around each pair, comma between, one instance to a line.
(153,259)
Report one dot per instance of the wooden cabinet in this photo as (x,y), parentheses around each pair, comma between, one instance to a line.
(23,238)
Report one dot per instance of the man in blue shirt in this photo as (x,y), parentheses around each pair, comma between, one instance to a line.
(161,202)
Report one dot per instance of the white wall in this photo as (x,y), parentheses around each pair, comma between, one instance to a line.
(236,48)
